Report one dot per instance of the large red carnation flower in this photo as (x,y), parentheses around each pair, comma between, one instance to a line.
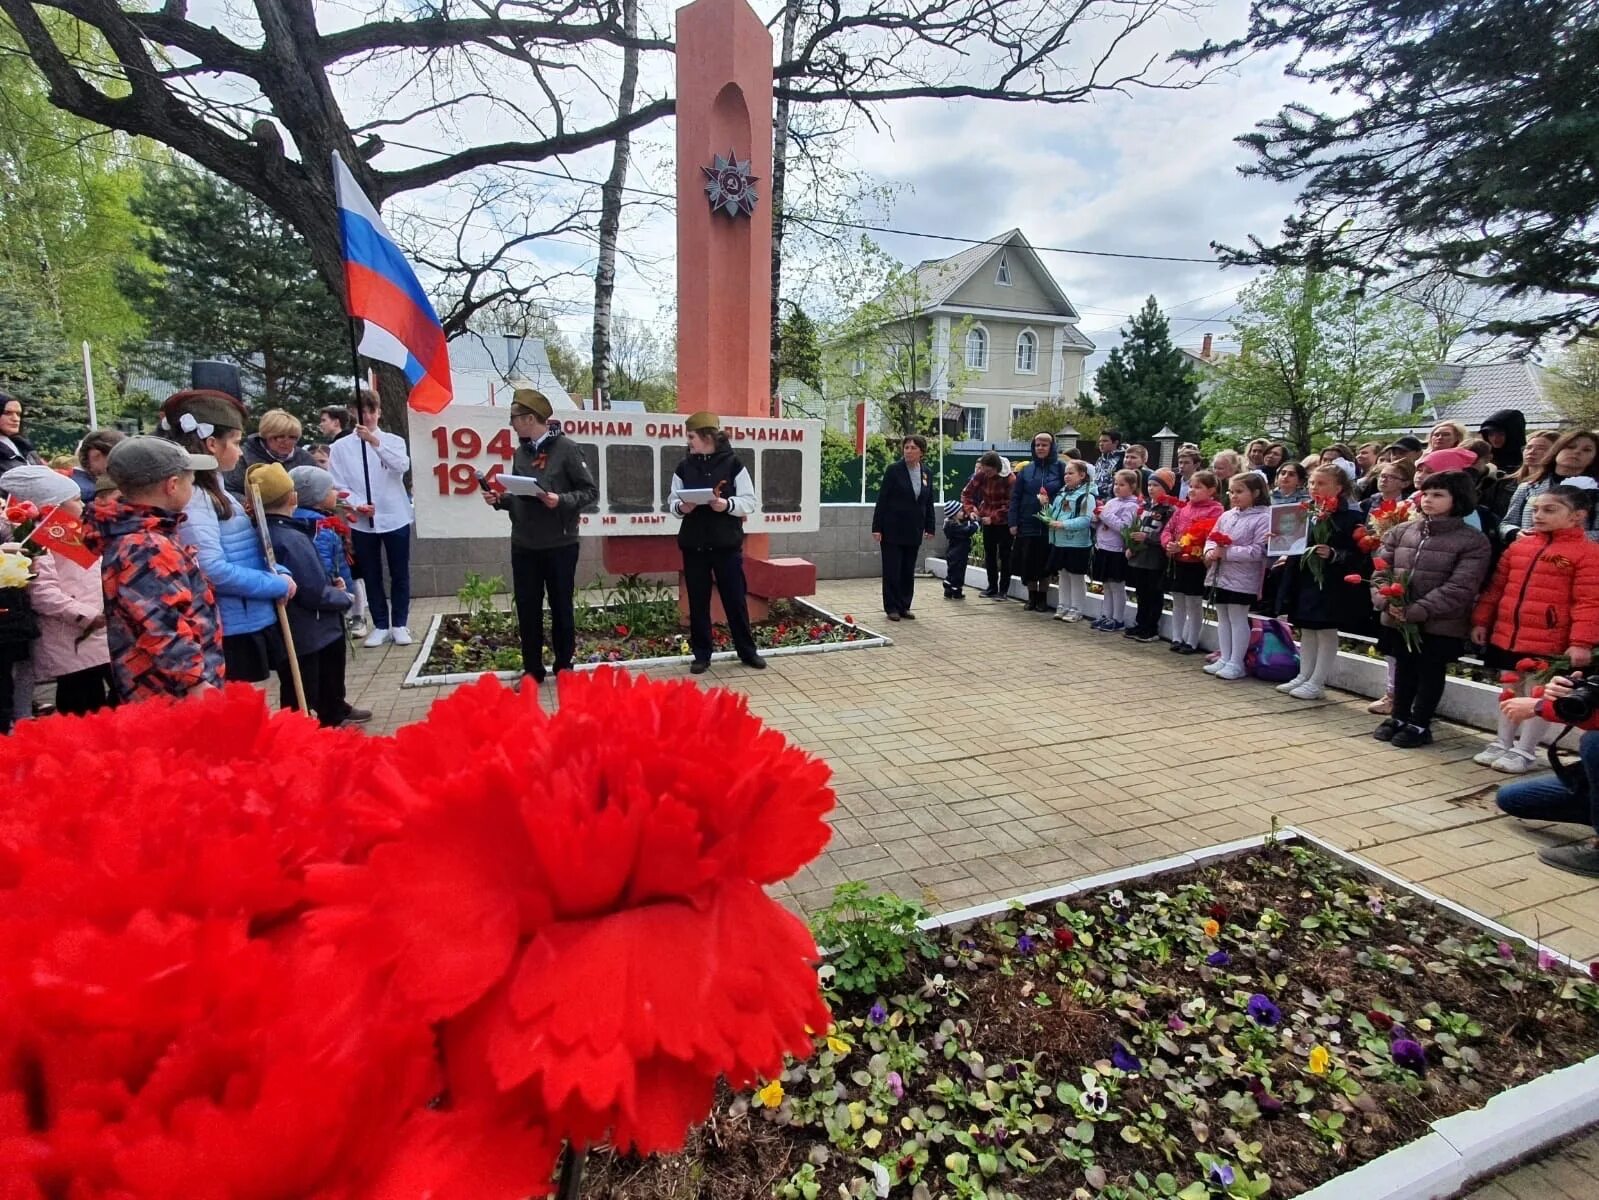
(168,1028)
(579,897)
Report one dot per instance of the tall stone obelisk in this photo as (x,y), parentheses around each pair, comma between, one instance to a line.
(724,254)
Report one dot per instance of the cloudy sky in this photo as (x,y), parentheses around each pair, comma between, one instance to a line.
(1150,172)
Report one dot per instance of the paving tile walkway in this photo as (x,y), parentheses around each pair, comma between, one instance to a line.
(992,751)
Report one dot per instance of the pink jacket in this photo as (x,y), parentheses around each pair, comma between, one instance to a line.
(67,598)
(1242,567)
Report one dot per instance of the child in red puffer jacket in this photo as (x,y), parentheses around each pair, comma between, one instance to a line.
(1543,603)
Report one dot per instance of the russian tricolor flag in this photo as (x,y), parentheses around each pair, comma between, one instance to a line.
(401,326)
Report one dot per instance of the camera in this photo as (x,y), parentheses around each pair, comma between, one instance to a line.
(1579,707)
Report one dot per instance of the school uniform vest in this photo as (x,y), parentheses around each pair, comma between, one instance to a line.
(705,528)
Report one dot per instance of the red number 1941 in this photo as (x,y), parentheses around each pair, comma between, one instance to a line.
(460,478)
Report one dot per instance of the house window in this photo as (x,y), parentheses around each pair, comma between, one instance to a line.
(977,349)
(1018,411)
(974,424)
(1417,401)
(858,365)
(1027,353)
(1002,276)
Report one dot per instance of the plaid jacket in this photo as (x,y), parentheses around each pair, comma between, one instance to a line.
(161,615)
(989,497)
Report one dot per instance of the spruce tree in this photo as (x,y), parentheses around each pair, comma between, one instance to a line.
(1146,383)
(37,367)
(231,279)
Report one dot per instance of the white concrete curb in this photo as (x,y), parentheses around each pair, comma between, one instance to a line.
(415,678)
(1465,701)
(1461,1149)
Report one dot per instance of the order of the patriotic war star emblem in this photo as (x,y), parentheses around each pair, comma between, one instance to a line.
(730,186)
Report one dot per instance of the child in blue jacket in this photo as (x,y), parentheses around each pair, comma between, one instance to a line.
(1071,538)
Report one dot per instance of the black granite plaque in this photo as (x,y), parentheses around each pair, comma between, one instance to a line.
(629,479)
(782,476)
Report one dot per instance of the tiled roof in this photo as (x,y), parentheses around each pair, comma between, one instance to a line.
(1470,392)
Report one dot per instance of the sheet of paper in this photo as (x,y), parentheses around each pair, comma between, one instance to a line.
(520,485)
(697,495)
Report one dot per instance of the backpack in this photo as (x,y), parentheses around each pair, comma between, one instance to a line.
(1272,654)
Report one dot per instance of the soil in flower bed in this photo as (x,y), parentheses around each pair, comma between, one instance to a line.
(1251,1028)
(487,640)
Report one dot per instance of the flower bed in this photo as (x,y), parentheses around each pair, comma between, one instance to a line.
(1249,1028)
(632,623)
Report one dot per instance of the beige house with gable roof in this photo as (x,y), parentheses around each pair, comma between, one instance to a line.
(997,317)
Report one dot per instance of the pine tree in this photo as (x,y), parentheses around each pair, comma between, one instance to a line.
(1146,383)
(231,279)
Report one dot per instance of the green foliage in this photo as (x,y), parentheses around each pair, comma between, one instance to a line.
(881,354)
(64,224)
(230,278)
(1317,363)
(1573,382)
(37,367)
(1146,383)
(870,940)
(799,353)
(1051,417)
(1462,142)
(477,594)
(645,607)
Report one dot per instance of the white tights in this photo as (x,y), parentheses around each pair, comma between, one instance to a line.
(1115,601)
(1318,651)
(1232,632)
(1187,619)
(1072,592)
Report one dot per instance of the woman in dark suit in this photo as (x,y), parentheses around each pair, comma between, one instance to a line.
(902,519)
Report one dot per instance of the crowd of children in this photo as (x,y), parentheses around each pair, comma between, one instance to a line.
(162,587)
(1431,551)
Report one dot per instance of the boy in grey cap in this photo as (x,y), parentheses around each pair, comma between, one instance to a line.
(161,615)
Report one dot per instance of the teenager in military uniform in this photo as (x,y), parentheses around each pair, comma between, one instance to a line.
(544,543)
(712,538)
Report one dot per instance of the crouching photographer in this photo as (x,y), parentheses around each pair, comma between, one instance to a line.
(1568,794)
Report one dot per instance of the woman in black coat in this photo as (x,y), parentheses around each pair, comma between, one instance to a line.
(902,520)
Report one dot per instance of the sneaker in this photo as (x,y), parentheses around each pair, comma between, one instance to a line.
(989,594)
(358,626)
(1381,708)
(1073,614)
(1385,732)
(1115,626)
(1177,647)
(356,716)
(1187,649)
(400,635)
(1490,754)
(1296,681)
(1514,762)
(1409,736)
(697,667)
(1098,624)
(1231,671)
(1146,638)
(1580,858)
(1211,668)
(1308,691)
(909,616)
(1061,615)
(376,638)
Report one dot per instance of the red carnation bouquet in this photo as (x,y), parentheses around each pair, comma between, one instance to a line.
(245,957)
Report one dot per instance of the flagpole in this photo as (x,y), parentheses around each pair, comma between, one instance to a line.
(355,383)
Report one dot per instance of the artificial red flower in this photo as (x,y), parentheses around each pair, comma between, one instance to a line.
(1353,579)
(578,897)
(1065,938)
(18,511)
(165,1017)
